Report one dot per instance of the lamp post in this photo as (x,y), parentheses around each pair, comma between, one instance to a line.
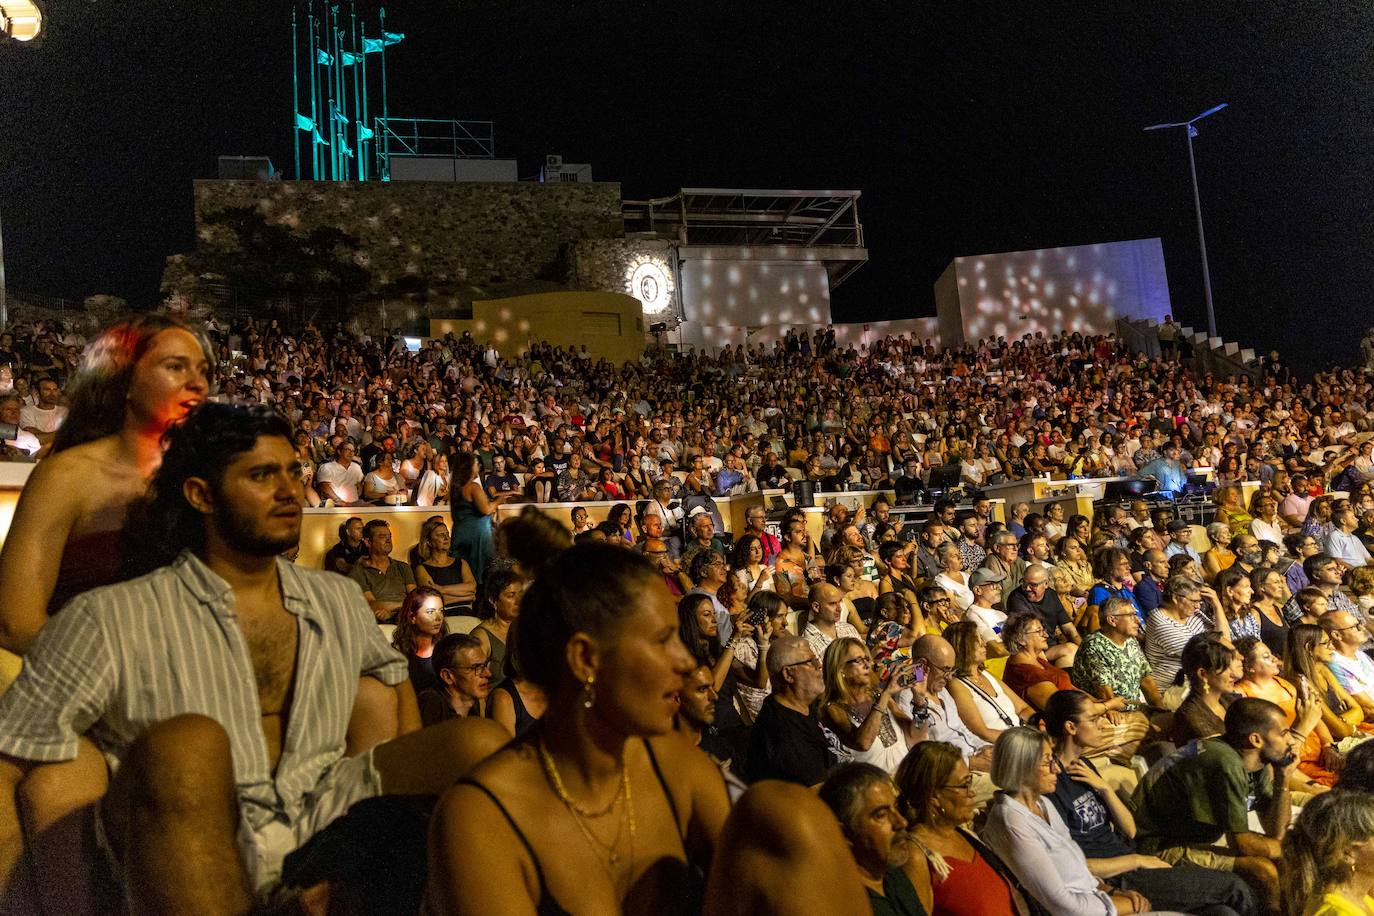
(1191,132)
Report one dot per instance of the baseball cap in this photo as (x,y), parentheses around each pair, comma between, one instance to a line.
(1178,525)
(984,576)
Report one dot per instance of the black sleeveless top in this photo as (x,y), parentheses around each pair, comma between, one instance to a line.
(523,720)
(549,906)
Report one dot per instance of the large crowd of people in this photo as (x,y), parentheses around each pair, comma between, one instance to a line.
(1049,713)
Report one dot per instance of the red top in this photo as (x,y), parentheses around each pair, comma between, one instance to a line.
(973,889)
(1020,678)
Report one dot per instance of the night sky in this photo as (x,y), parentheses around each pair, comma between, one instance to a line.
(969,128)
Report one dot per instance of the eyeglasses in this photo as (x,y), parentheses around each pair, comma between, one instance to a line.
(859,662)
(965,786)
(1029,584)
(812,662)
(481,666)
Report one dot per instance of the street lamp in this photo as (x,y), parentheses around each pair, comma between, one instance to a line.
(1197,204)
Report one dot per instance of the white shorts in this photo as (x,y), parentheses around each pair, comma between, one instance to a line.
(349,781)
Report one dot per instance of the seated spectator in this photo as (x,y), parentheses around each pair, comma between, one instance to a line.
(952,577)
(1176,621)
(895,558)
(1219,555)
(383,485)
(708,573)
(1026,831)
(987,588)
(936,796)
(1318,757)
(846,580)
(1353,668)
(500,607)
(436,569)
(939,609)
(1180,542)
(1102,825)
(1212,668)
(824,625)
(657,552)
(539,485)
(228,488)
(341,479)
(1149,590)
(787,741)
(699,631)
(1298,547)
(500,481)
(1269,595)
(695,720)
(516,702)
(1000,559)
(1341,541)
(864,800)
(1071,558)
(1034,596)
(870,725)
(419,625)
(385,582)
(349,549)
(575,484)
(864,592)
(703,529)
(1112,567)
(1325,871)
(767,614)
(1205,792)
(892,632)
(464,672)
(985,705)
(610,675)
(1308,661)
(1111,663)
(934,707)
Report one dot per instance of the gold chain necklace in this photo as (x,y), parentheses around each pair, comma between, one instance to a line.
(580,816)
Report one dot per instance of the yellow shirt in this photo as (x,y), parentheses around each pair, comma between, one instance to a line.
(1334,904)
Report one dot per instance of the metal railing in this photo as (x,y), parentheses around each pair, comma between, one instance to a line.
(430,137)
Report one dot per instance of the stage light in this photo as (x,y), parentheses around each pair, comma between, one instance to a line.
(20,20)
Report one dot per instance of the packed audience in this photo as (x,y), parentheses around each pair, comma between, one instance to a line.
(1050,713)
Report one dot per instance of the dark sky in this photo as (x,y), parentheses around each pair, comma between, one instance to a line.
(969,128)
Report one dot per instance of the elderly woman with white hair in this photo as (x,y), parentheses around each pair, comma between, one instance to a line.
(1027,833)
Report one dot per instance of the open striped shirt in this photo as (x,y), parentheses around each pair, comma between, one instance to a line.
(119,659)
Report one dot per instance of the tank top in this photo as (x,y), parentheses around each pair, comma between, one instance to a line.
(523,720)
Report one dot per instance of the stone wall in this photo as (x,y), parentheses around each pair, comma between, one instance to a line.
(437,245)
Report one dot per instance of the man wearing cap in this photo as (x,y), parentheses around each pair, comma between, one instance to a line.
(1180,538)
(986,586)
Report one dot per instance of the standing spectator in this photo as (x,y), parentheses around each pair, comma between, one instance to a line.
(472,516)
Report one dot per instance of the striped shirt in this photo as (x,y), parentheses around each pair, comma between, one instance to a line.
(122,658)
(1165,638)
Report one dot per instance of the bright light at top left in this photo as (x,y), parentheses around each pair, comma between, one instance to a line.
(21,20)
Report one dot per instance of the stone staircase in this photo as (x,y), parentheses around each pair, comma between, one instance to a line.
(1213,354)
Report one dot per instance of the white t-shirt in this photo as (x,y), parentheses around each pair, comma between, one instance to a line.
(988,619)
(45,420)
(344,480)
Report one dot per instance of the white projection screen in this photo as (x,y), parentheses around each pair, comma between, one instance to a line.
(743,293)
(1081,288)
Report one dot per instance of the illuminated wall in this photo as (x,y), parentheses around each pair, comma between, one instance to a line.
(746,293)
(714,337)
(610,324)
(1082,288)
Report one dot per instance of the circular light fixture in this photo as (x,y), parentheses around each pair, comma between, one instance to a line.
(650,280)
(20,20)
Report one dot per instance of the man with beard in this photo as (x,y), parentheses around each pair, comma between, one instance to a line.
(696,718)
(221,682)
(864,801)
(1205,791)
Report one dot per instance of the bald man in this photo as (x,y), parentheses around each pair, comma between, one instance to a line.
(934,707)
(825,625)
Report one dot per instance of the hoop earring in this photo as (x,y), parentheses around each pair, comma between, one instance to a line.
(589,693)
